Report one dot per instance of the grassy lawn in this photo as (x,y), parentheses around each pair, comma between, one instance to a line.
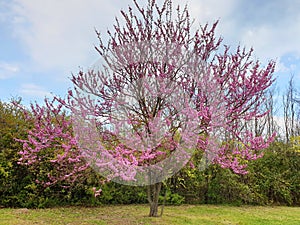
(137,214)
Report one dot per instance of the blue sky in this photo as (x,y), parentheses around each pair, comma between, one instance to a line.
(43,42)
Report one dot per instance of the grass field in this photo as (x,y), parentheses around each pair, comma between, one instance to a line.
(137,214)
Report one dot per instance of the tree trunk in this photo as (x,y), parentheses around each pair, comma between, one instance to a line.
(153,197)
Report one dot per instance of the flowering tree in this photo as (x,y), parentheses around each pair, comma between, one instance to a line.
(50,145)
(161,93)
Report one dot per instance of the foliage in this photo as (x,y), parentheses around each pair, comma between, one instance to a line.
(14,178)
(273,179)
(276,177)
(114,193)
(51,146)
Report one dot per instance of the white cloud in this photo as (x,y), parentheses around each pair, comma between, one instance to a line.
(7,70)
(60,35)
(204,11)
(270,42)
(271,27)
(34,90)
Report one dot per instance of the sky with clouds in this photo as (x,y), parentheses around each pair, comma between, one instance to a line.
(43,42)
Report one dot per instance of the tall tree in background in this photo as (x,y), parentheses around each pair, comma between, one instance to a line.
(291,111)
(266,125)
(162,93)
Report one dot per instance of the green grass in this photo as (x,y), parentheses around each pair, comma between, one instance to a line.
(137,214)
